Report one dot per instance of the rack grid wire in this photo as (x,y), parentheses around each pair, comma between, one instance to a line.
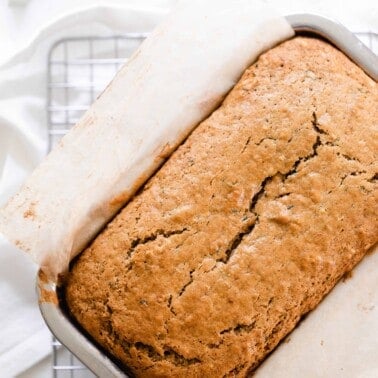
(78,70)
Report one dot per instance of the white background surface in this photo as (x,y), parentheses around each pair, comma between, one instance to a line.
(20,24)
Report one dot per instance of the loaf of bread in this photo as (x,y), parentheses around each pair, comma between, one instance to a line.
(245,228)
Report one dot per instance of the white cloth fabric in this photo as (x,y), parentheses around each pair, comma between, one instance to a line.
(24,339)
(23,139)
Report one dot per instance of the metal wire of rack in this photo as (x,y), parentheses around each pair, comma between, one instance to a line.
(369,38)
(78,70)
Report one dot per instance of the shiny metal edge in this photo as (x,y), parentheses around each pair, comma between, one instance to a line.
(69,336)
(340,36)
(60,325)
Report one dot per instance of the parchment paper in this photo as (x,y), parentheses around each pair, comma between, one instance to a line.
(339,338)
(174,80)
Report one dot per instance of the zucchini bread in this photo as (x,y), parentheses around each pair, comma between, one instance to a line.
(245,228)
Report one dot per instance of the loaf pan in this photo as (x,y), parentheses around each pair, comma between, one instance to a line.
(51,308)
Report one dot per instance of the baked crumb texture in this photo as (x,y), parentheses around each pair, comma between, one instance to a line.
(267,204)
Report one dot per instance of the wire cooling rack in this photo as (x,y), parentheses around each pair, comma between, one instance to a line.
(78,71)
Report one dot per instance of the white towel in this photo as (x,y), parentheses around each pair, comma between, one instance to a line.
(24,339)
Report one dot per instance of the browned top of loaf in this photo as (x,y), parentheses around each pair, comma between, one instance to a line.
(245,228)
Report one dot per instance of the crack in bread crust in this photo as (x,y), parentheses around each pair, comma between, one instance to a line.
(245,228)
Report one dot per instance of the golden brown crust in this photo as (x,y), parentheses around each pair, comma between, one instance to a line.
(268,203)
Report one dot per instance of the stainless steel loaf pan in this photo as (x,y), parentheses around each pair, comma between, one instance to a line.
(53,313)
